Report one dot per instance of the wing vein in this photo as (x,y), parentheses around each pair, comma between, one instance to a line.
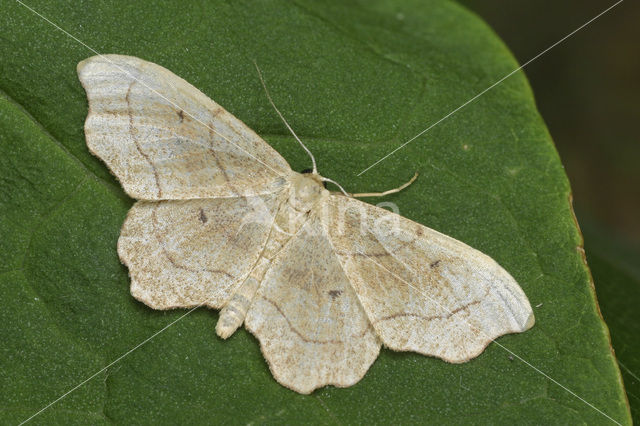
(134,138)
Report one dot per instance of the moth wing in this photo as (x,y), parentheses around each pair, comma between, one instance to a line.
(423,291)
(183,253)
(164,139)
(307,317)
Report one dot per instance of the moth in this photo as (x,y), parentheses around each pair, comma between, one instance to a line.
(322,279)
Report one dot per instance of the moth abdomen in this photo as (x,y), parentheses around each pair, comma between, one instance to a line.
(233,314)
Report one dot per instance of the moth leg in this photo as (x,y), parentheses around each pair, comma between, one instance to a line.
(388,191)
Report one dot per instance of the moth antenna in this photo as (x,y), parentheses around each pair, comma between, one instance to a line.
(313,160)
(324,179)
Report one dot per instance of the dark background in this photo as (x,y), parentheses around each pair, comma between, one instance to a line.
(587,89)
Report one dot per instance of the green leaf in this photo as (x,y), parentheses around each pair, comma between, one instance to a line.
(355,81)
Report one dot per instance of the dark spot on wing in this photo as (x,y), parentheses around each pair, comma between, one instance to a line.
(202,217)
(435,264)
(334,293)
(181,115)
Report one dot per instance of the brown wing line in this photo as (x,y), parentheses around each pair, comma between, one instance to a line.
(379,254)
(159,237)
(305,338)
(134,138)
(432,317)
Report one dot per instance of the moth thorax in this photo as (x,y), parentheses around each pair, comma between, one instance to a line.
(306,189)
